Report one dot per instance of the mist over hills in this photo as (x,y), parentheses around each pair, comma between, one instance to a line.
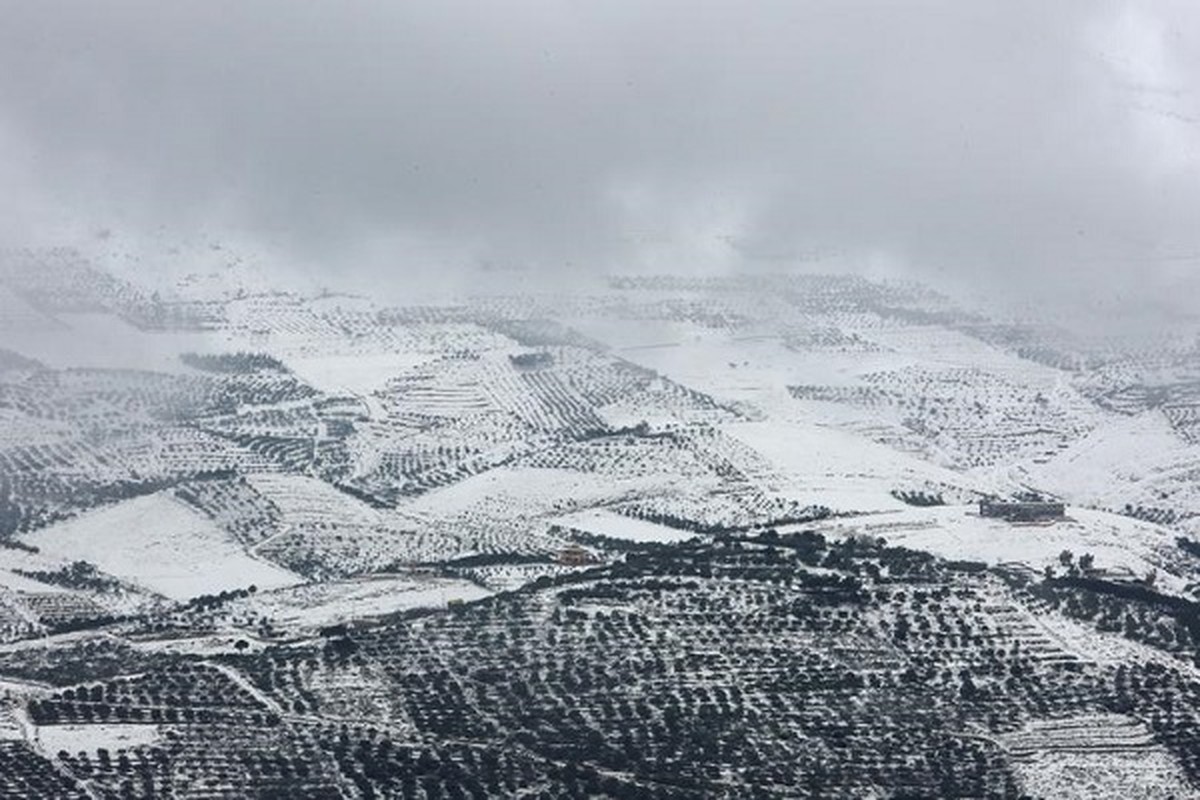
(557,400)
(672,536)
(1026,151)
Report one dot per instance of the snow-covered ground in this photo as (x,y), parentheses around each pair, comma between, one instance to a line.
(1120,545)
(307,500)
(603,522)
(159,543)
(755,372)
(89,738)
(1143,774)
(19,583)
(758,403)
(1137,460)
(1093,756)
(817,464)
(353,373)
(316,605)
(534,491)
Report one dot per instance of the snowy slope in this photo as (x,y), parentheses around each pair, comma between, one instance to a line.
(821,465)
(161,544)
(1137,460)
(1122,547)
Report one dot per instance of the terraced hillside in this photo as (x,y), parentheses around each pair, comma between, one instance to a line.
(660,536)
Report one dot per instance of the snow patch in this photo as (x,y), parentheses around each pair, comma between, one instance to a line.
(89,738)
(602,522)
(162,545)
(320,604)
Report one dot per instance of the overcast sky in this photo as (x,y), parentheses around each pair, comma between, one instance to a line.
(1047,141)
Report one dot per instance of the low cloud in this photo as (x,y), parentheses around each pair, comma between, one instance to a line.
(1012,145)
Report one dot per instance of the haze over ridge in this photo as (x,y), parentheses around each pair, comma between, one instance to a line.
(1014,146)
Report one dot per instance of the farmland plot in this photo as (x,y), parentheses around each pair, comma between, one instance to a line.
(164,546)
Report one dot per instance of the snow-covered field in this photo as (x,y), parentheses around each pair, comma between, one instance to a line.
(88,738)
(756,372)
(1094,756)
(1143,774)
(529,492)
(353,373)
(603,522)
(19,583)
(1125,547)
(821,465)
(1136,459)
(159,543)
(316,605)
(307,500)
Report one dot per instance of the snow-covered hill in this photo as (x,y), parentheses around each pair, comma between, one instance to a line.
(241,512)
